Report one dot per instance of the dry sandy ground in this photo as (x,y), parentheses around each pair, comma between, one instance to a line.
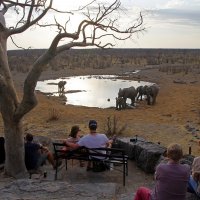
(177,110)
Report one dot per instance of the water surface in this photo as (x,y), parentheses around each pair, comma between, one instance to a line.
(96,91)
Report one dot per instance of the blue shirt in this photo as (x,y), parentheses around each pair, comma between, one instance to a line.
(31,155)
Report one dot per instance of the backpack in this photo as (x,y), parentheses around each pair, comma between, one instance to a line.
(99,166)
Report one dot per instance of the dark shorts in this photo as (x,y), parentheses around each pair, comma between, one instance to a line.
(41,160)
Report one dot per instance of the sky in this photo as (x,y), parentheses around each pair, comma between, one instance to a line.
(168,23)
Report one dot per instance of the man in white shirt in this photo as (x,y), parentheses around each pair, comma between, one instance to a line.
(91,140)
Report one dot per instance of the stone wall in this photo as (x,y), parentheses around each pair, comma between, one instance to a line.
(147,155)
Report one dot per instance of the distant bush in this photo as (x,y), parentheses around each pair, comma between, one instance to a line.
(112,127)
(21,61)
(53,115)
(176,68)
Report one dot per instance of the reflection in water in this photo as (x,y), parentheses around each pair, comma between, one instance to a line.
(97,91)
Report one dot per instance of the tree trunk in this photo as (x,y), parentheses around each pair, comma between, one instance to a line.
(14,143)
(14,147)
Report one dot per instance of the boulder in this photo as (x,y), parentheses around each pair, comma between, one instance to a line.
(187,159)
(146,154)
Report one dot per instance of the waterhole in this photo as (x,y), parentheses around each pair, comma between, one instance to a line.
(91,91)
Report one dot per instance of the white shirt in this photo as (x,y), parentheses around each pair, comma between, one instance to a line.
(96,140)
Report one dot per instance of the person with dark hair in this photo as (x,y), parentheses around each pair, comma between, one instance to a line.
(74,137)
(91,140)
(2,150)
(171,178)
(36,154)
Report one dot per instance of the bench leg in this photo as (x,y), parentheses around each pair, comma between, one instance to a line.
(124,174)
(127,168)
(56,169)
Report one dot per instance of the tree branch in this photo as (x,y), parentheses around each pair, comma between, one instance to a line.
(28,23)
(90,32)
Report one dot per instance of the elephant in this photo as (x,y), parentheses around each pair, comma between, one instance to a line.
(120,103)
(141,90)
(128,93)
(61,86)
(152,92)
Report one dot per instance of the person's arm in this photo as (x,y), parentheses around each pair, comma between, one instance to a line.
(43,148)
(72,145)
(109,143)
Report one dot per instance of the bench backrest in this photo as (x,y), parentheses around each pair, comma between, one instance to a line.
(89,153)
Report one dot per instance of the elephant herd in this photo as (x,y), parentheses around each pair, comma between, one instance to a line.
(150,92)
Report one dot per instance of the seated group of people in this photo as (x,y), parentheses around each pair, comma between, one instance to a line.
(36,154)
(172,179)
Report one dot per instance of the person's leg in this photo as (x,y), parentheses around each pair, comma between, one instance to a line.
(50,158)
(41,160)
(143,193)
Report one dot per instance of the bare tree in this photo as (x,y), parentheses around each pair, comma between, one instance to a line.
(99,22)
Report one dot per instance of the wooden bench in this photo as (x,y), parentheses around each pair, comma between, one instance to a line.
(108,156)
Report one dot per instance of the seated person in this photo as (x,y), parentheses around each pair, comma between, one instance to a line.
(91,140)
(74,137)
(193,184)
(36,154)
(171,178)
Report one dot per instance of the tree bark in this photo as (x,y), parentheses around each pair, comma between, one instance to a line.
(14,144)
(14,147)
